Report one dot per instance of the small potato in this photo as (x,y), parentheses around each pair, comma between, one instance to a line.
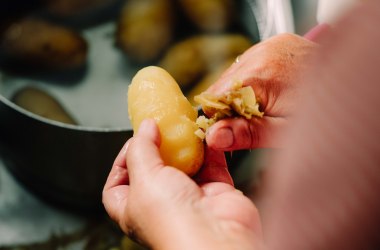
(210,15)
(67,8)
(41,103)
(41,45)
(154,94)
(145,28)
(191,59)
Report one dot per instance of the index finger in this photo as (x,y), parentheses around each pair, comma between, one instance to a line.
(119,173)
(115,191)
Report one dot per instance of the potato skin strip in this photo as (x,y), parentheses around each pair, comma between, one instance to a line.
(240,101)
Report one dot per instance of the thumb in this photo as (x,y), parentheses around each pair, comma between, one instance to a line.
(239,133)
(143,156)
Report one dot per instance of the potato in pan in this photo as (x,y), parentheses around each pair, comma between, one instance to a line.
(210,15)
(145,29)
(42,103)
(40,45)
(205,82)
(192,58)
(68,8)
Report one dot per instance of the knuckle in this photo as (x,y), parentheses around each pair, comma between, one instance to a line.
(254,131)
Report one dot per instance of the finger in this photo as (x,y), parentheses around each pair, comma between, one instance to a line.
(214,169)
(115,201)
(216,188)
(115,192)
(239,133)
(143,156)
(318,32)
(118,174)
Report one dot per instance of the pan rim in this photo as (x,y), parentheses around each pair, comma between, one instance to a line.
(62,125)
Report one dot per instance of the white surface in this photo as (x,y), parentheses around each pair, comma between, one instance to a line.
(25,219)
(273,17)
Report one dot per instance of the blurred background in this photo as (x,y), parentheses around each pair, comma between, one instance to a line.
(65,66)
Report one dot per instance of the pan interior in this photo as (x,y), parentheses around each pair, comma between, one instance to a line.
(94,98)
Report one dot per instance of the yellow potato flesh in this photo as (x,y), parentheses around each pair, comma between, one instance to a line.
(154,94)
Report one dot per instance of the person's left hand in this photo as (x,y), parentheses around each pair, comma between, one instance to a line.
(165,209)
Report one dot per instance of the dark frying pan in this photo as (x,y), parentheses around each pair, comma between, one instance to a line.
(67,164)
(63,163)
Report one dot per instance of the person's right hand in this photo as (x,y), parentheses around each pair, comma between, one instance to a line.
(271,69)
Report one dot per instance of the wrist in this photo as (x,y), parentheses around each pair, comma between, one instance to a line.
(195,232)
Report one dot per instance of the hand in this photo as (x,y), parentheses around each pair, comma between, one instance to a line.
(165,209)
(271,68)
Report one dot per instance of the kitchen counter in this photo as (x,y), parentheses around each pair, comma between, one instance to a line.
(26,222)
(26,219)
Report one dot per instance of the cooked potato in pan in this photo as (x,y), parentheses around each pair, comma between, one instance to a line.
(190,59)
(207,81)
(41,103)
(210,15)
(67,8)
(42,46)
(145,29)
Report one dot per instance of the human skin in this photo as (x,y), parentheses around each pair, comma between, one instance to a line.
(321,191)
(162,207)
(206,208)
(271,68)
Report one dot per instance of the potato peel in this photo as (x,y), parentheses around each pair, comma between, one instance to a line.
(239,101)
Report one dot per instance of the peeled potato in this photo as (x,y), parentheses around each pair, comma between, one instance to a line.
(154,94)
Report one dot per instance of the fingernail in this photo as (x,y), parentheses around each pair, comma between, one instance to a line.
(125,149)
(145,126)
(224,138)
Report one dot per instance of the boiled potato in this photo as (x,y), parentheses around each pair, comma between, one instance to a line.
(67,8)
(41,103)
(154,94)
(41,45)
(210,15)
(189,60)
(145,29)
